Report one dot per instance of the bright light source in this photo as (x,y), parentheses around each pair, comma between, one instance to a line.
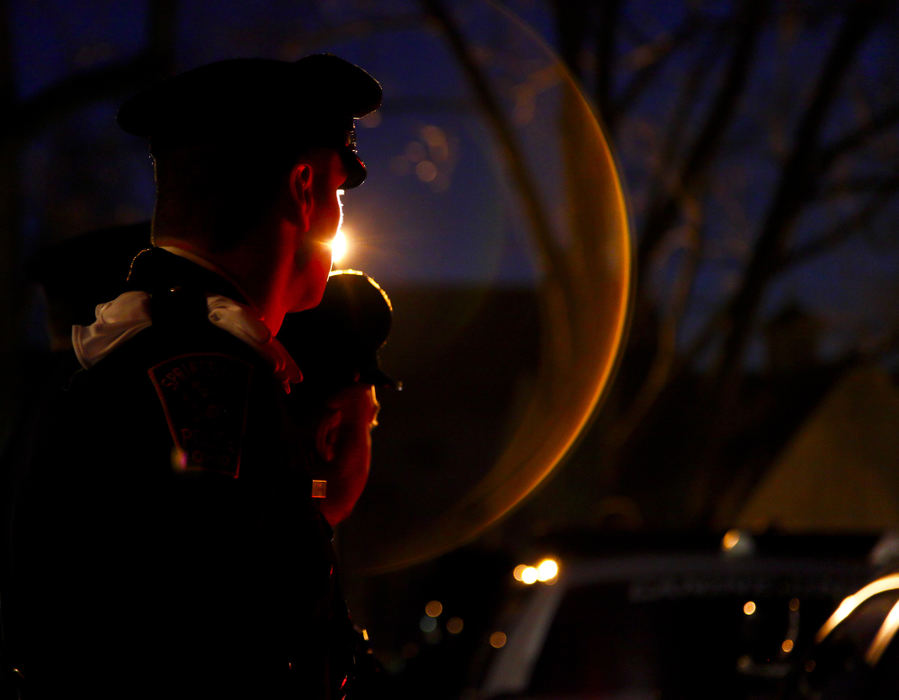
(498,640)
(749,608)
(730,540)
(547,570)
(434,608)
(529,575)
(339,246)
(787,646)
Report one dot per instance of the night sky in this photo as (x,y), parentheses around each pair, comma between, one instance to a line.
(465,224)
(440,221)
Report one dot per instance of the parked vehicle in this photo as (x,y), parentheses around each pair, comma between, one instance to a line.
(728,619)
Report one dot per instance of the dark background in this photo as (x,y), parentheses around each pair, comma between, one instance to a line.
(757,144)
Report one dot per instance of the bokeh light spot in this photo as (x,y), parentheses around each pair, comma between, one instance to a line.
(426,171)
(498,640)
(547,570)
(730,540)
(529,575)
(454,625)
(427,624)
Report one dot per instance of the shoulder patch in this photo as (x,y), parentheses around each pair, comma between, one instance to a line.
(205,398)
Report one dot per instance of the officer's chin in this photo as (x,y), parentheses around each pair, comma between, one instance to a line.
(315,277)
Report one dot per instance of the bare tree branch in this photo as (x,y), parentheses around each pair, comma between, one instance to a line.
(512,151)
(572,22)
(76,91)
(104,81)
(843,230)
(355,29)
(886,118)
(657,54)
(10,226)
(604,64)
(665,184)
(666,363)
(663,211)
(855,186)
(796,178)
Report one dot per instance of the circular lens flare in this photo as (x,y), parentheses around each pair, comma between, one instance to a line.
(555,171)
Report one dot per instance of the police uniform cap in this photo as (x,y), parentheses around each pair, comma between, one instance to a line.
(257,102)
(336,343)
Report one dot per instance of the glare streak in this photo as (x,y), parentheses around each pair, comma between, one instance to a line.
(850,603)
(884,636)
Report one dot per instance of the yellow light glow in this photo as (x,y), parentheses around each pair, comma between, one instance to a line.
(529,575)
(850,603)
(498,640)
(730,540)
(884,636)
(518,572)
(547,570)
(434,608)
(454,625)
(787,646)
(339,247)
(749,608)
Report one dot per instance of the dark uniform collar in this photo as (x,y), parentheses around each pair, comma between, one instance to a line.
(155,269)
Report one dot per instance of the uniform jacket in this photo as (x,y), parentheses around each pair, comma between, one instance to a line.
(165,543)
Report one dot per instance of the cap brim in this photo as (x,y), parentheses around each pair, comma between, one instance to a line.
(377,378)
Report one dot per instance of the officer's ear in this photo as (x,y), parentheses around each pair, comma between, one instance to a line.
(326,434)
(301,193)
